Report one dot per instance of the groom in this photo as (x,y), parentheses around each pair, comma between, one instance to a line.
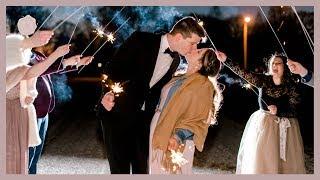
(146,62)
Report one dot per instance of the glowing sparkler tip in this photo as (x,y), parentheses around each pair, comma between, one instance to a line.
(117,88)
(247,86)
(99,32)
(110,37)
(99,64)
(201,23)
(177,158)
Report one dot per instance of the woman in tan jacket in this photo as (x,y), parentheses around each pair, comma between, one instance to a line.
(187,106)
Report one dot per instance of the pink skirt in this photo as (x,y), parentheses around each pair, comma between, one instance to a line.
(16,138)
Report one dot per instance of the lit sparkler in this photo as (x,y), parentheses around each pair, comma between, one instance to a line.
(247,86)
(116,88)
(200,23)
(177,158)
(99,32)
(103,29)
(111,38)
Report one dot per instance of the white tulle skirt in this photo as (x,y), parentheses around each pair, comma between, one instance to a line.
(271,145)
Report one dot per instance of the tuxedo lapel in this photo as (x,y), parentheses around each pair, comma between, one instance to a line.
(153,48)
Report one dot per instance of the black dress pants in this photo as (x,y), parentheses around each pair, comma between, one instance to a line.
(127,141)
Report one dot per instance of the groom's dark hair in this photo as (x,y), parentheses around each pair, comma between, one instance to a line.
(186,26)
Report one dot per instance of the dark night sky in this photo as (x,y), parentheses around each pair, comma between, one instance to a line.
(227,11)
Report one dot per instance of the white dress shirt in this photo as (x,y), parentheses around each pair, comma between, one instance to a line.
(163,62)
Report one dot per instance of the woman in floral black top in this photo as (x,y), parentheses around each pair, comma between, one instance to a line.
(271,142)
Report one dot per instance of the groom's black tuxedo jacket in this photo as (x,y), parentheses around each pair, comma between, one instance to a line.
(134,63)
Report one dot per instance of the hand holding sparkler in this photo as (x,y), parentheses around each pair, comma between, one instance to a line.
(176,156)
(173,144)
(222,57)
(296,68)
(77,60)
(72,61)
(177,161)
(85,61)
(61,51)
(108,99)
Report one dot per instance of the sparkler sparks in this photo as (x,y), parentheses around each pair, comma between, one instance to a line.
(200,23)
(99,32)
(102,30)
(117,88)
(247,86)
(177,158)
(111,38)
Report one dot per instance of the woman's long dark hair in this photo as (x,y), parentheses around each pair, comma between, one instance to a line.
(210,68)
(286,77)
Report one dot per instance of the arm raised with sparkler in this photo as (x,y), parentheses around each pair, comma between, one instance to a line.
(77,60)
(296,68)
(254,79)
(40,68)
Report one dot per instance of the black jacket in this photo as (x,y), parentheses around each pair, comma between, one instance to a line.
(134,63)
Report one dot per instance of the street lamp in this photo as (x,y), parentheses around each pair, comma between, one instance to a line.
(247,19)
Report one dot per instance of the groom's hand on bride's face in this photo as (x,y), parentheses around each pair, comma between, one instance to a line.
(108,101)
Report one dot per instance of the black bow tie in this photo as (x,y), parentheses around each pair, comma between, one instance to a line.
(171,53)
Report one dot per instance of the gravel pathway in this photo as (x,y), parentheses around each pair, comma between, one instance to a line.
(77,150)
